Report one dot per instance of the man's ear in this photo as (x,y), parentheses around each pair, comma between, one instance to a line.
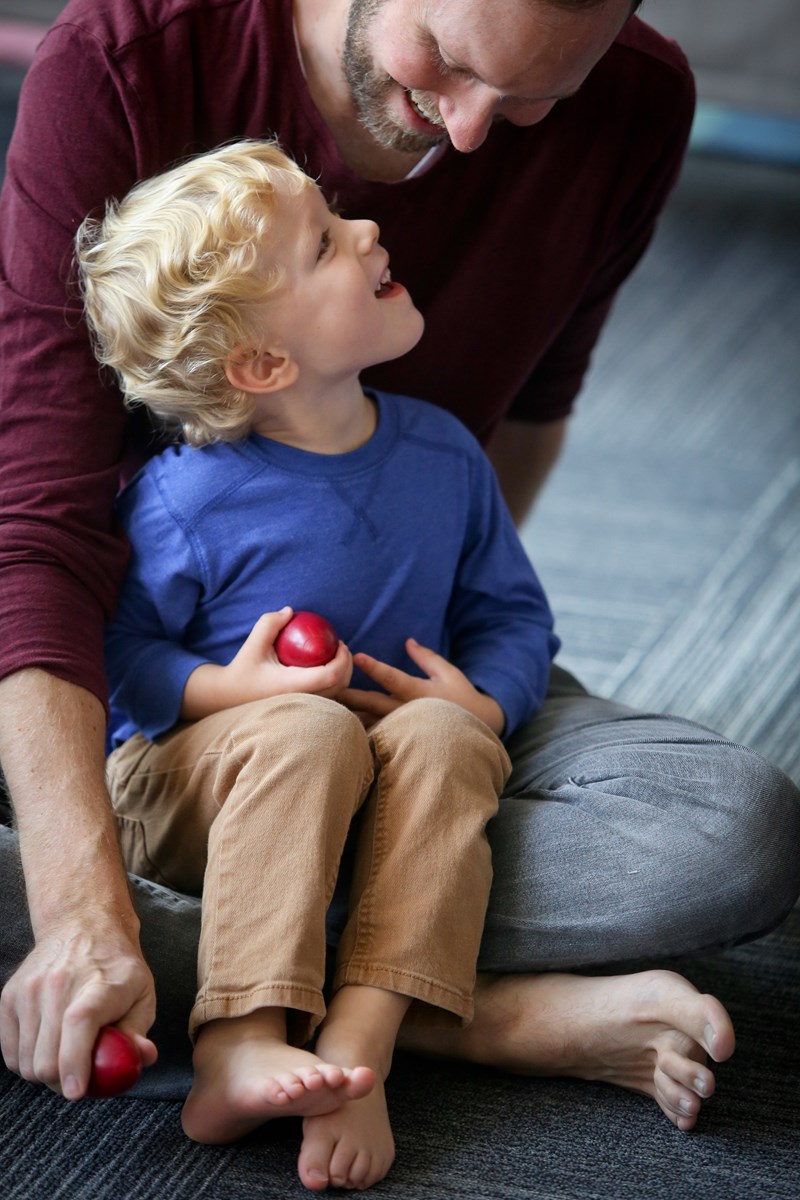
(260,371)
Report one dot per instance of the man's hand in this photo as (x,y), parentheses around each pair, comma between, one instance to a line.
(444,682)
(74,981)
(86,969)
(255,673)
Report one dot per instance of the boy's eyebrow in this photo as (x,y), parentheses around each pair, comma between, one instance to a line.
(308,239)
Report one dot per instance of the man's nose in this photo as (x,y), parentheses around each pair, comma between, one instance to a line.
(468,114)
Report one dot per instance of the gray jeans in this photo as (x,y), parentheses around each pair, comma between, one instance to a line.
(621,836)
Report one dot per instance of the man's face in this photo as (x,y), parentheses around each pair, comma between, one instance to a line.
(421,71)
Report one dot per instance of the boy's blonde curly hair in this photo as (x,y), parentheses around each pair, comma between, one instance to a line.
(168,277)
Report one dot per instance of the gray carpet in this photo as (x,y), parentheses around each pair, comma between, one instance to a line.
(669,543)
(467,1133)
(669,537)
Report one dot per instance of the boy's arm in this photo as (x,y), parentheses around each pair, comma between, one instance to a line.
(499,619)
(255,673)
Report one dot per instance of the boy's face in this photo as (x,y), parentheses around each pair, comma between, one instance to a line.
(338,310)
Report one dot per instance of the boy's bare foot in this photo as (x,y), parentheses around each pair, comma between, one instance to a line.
(244,1077)
(649,1032)
(353,1147)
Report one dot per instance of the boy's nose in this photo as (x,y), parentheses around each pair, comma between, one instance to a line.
(367,234)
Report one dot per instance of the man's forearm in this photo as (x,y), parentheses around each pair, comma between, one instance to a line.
(52,753)
(523,454)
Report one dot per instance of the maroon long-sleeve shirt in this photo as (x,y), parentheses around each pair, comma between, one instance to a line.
(513,253)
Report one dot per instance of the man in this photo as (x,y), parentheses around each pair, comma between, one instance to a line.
(516,155)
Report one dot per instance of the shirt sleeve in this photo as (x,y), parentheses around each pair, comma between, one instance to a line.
(500,623)
(147,663)
(654,160)
(62,429)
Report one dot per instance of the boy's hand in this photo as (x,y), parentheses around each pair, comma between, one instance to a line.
(255,673)
(444,682)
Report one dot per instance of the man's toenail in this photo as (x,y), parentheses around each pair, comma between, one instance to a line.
(687,1106)
(700,1086)
(318,1175)
(710,1034)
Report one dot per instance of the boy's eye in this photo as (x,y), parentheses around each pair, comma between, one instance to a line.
(324,244)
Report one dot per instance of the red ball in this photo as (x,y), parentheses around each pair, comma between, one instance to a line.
(308,640)
(116,1063)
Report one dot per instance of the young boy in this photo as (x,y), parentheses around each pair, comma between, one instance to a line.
(234,304)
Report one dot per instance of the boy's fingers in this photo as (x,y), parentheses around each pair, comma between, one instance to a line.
(431,662)
(269,625)
(392,680)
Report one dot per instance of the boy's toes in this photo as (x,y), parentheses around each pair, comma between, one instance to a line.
(359,1083)
(313,1164)
(329,1074)
(342,1162)
(362,1173)
(285,1087)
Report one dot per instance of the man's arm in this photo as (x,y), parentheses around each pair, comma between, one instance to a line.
(86,969)
(523,454)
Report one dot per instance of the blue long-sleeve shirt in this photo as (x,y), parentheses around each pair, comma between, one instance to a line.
(406,536)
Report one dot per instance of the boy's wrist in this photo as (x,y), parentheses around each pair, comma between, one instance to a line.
(207,690)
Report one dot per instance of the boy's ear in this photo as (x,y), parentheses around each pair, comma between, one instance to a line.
(260,371)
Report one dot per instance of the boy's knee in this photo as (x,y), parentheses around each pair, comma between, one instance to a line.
(299,724)
(449,737)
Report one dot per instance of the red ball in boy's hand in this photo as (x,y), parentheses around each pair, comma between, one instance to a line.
(308,640)
(116,1063)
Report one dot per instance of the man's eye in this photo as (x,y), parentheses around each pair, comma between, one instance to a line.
(442,65)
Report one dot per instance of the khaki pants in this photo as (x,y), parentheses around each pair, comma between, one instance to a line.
(251,807)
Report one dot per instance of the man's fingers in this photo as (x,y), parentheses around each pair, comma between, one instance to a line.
(97,1006)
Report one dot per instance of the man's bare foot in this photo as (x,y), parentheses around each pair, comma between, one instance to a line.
(244,1076)
(353,1147)
(649,1032)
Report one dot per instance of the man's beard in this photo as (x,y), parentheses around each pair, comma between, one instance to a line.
(371,89)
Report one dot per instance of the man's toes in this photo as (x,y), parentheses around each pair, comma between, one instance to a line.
(692,1075)
(718,1038)
(679,1103)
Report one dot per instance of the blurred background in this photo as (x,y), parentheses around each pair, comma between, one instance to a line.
(669,535)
